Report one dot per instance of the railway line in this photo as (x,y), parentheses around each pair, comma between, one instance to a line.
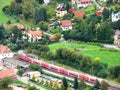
(61,72)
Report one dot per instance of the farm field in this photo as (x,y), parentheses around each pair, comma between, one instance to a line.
(110,57)
(3,17)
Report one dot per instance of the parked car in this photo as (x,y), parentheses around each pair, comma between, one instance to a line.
(23,86)
(19,85)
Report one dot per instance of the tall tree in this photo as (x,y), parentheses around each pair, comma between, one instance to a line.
(6,82)
(75,83)
(17,34)
(40,1)
(2,32)
(18,1)
(65,83)
(81,85)
(96,85)
(105,14)
(104,85)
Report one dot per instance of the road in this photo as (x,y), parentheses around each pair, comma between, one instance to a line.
(26,81)
(111,46)
(96,4)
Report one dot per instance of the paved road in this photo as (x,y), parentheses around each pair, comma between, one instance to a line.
(25,80)
(96,4)
(111,46)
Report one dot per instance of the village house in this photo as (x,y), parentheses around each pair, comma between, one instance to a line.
(34,35)
(79,14)
(115,17)
(66,25)
(117,38)
(82,3)
(5,52)
(60,10)
(8,73)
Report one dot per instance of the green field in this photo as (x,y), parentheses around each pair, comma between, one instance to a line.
(3,17)
(110,57)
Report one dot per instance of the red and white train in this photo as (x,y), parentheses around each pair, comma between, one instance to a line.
(61,70)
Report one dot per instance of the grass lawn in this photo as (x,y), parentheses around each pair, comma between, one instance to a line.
(3,88)
(110,57)
(3,17)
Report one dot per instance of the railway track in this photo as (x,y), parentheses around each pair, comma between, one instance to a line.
(111,86)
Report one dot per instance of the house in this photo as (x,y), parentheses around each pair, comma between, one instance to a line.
(1,66)
(115,17)
(52,38)
(117,37)
(8,73)
(79,14)
(60,10)
(71,10)
(33,73)
(34,35)
(5,52)
(46,2)
(100,11)
(83,3)
(21,27)
(66,25)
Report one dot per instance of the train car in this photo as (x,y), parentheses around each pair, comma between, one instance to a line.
(66,72)
(54,68)
(92,79)
(73,74)
(81,76)
(25,58)
(36,62)
(45,65)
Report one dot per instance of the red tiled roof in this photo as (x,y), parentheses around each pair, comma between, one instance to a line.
(66,23)
(4,49)
(52,38)
(8,72)
(85,1)
(35,33)
(71,10)
(79,14)
(99,12)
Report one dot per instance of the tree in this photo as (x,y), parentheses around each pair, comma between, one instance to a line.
(40,1)
(6,82)
(104,32)
(105,14)
(109,2)
(28,12)
(75,83)
(33,77)
(104,85)
(51,83)
(20,72)
(81,85)
(32,88)
(18,1)
(68,88)
(43,25)
(56,86)
(62,87)
(17,34)
(65,83)
(67,16)
(96,85)
(2,33)
(43,14)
